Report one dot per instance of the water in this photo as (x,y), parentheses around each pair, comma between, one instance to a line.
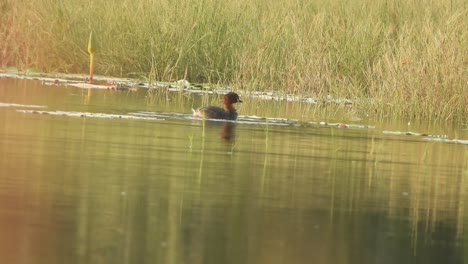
(121,177)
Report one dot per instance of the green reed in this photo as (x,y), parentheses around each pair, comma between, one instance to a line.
(409,57)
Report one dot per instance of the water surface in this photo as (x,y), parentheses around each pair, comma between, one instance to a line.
(124,177)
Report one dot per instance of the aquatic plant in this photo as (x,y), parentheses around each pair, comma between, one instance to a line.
(409,57)
(91,51)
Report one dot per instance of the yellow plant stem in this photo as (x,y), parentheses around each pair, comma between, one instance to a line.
(91,66)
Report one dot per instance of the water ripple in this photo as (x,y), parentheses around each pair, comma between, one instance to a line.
(21,105)
(87,114)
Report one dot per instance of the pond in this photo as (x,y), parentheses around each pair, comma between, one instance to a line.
(131,177)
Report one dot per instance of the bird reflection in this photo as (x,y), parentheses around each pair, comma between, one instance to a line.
(228,132)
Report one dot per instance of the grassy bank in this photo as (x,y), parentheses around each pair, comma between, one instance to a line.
(411,57)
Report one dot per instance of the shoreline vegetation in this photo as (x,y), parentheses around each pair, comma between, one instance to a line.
(409,57)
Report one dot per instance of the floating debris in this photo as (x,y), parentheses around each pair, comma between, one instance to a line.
(444,140)
(183,84)
(252,120)
(87,114)
(21,105)
(342,125)
(105,86)
(409,133)
(128,84)
(162,115)
(428,137)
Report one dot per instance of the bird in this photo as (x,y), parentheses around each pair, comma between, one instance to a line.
(228,112)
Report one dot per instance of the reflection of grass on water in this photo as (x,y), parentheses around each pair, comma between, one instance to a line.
(202,151)
(408,56)
(157,96)
(462,223)
(265,161)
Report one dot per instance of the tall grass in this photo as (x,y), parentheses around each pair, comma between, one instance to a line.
(410,57)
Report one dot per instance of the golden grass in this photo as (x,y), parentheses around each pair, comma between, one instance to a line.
(410,57)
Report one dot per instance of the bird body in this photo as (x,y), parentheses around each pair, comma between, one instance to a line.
(228,112)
